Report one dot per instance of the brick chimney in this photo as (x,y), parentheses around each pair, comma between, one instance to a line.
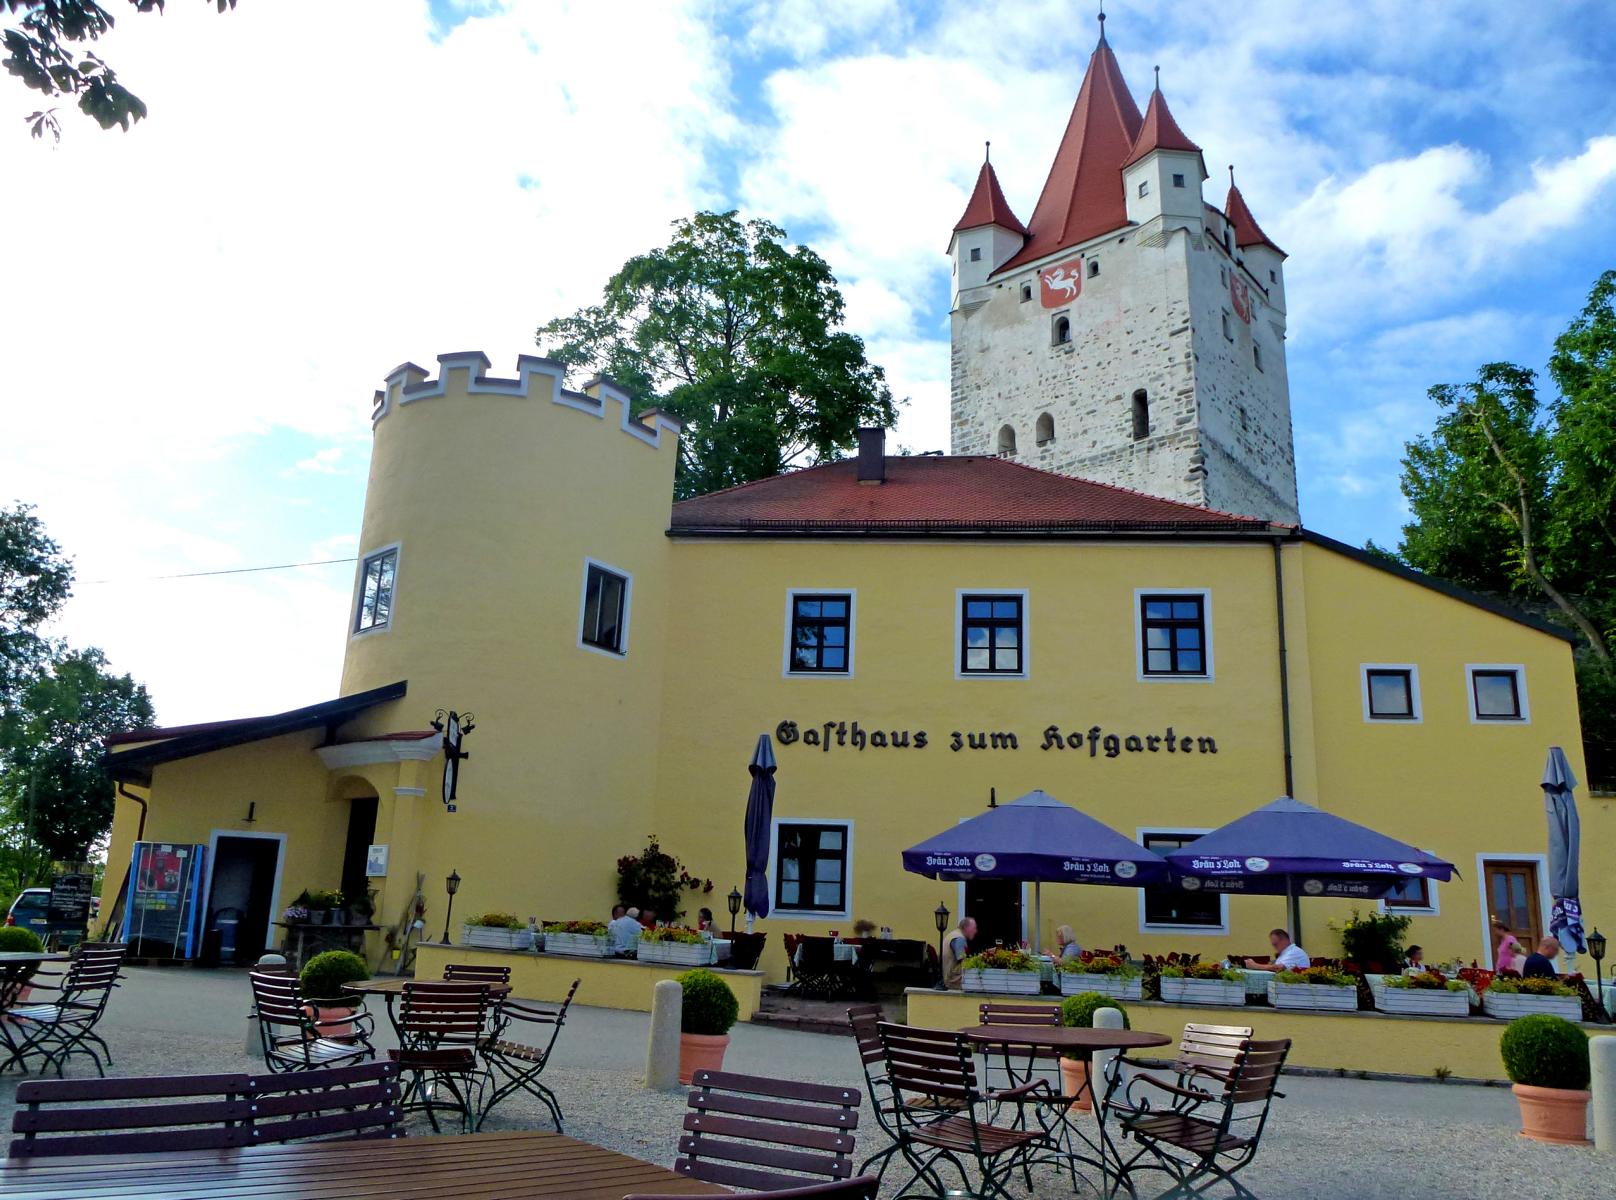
(872,455)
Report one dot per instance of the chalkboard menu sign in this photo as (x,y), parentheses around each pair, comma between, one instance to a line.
(70,901)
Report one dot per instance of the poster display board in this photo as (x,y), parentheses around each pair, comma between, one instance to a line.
(161,918)
(70,903)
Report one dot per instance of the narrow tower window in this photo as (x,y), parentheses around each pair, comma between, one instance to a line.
(1178,180)
(1045,429)
(1094,267)
(976,254)
(1228,329)
(1141,415)
(1007,440)
(1026,292)
(1144,187)
(1256,355)
(1062,331)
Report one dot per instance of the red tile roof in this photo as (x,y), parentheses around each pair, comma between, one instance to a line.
(1083,198)
(927,492)
(1160,132)
(988,205)
(1246,230)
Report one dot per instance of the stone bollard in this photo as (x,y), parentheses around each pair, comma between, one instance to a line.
(1602,1058)
(662,1050)
(253,1044)
(1104,1018)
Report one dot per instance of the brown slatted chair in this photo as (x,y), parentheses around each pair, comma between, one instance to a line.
(64,1024)
(862,1188)
(1208,1050)
(747,950)
(440,1027)
(293,1039)
(748,1132)
(155,1115)
(933,1074)
(1200,1136)
(521,1064)
(334,1104)
(475,973)
(864,1018)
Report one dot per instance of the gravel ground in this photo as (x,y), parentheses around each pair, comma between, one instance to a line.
(1343,1138)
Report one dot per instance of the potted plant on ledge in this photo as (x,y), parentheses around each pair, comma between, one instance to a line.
(1428,994)
(581,939)
(705,1017)
(320,983)
(1510,996)
(676,947)
(1546,1059)
(496,931)
(1202,983)
(1318,988)
(1077,1012)
(1107,973)
(1002,970)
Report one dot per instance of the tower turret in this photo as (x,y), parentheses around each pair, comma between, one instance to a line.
(987,233)
(1162,176)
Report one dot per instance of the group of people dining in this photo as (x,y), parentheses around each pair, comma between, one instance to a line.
(627,923)
(1512,956)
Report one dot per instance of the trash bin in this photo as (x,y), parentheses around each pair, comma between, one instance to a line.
(225,922)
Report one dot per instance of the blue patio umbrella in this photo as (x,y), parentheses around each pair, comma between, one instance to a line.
(759,817)
(1565,848)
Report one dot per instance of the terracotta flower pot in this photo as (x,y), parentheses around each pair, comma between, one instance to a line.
(341,1017)
(1553,1114)
(1074,1082)
(701,1052)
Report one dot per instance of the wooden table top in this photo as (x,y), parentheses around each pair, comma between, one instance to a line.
(483,1166)
(1062,1037)
(395,987)
(31,956)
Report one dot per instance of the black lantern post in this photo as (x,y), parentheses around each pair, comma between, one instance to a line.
(734,907)
(1596,947)
(940,915)
(451,885)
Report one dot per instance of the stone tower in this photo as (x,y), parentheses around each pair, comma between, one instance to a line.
(1129,332)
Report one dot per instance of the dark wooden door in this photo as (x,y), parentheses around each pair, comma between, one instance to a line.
(996,905)
(1513,899)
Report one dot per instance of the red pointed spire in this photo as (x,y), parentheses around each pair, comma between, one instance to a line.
(1083,196)
(1160,132)
(988,205)
(1246,230)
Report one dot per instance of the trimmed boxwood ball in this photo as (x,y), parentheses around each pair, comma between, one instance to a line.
(14,939)
(1078,1011)
(323,975)
(1545,1051)
(709,1006)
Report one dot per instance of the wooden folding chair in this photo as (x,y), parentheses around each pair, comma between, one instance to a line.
(150,1115)
(520,1063)
(862,1188)
(749,1132)
(59,1027)
(331,1104)
(475,973)
(440,1027)
(294,1039)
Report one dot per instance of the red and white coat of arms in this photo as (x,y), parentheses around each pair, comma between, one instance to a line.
(1059,285)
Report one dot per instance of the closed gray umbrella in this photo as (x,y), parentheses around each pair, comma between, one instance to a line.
(1565,848)
(759,818)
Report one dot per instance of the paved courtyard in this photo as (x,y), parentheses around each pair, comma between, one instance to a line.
(1344,1138)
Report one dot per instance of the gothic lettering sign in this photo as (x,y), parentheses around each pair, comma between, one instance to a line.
(1059,285)
(1095,742)
(1240,297)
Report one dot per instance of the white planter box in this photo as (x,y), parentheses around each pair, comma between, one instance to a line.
(492,937)
(1319,997)
(579,945)
(677,954)
(1118,987)
(1510,1007)
(1422,1002)
(1231,992)
(1015,983)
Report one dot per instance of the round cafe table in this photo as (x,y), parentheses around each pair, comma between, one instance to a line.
(1032,1038)
(17,968)
(391,989)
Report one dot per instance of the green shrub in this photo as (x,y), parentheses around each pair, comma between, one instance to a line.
(323,976)
(1545,1051)
(1078,1011)
(14,939)
(1376,938)
(497,920)
(709,1005)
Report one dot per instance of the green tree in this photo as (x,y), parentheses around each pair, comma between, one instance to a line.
(35,579)
(42,50)
(739,336)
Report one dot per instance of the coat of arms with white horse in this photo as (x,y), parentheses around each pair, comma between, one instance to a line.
(1061,284)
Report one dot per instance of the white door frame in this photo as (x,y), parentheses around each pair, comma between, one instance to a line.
(1545,905)
(275,890)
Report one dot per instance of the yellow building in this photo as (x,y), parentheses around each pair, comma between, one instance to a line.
(916,633)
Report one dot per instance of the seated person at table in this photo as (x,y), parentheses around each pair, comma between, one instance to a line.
(1416,960)
(648,918)
(704,921)
(1287,956)
(623,929)
(955,947)
(1066,943)
(1540,963)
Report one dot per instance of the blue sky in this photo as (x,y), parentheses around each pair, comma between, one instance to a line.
(300,214)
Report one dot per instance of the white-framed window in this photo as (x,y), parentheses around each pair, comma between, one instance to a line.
(811,862)
(820,632)
(990,634)
(373,595)
(1172,907)
(1497,694)
(603,609)
(1391,693)
(1172,629)
(1144,187)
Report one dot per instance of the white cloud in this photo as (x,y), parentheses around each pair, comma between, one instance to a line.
(326,461)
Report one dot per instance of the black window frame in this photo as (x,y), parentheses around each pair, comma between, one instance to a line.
(808,881)
(618,645)
(819,622)
(993,623)
(1409,689)
(1398,904)
(976,254)
(1513,674)
(1174,623)
(1178,179)
(1177,896)
(379,561)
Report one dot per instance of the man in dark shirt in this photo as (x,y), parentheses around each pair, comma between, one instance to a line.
(1541,964)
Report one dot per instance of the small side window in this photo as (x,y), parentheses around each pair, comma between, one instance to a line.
(1273,277)
(1391,692)
(604,624)
(1045,429)
(1061,333)
(976,254)
(1141,415)
(1144,187)
(1026,292)
(1178,180)
(1228,328)
(1007,440)
(1256,355)
(377,576)
(1094,267)
(1497,694)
